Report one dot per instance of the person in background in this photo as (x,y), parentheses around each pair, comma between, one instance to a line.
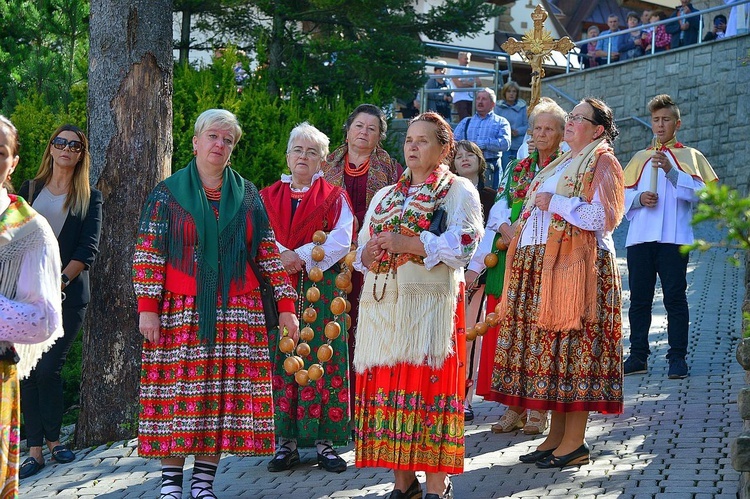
(633,46)
(663,40)
(611,46)
(206,371)
(60,192)
(559,343)
(661,185)
(299,205)
(489,131)
(547,127)
(469,163)
(513,109)
(463,100)
(440,102)
(719,30)
(362,167)
(684,31)
(587,56)
(30,306)
(411,345)
(646,17)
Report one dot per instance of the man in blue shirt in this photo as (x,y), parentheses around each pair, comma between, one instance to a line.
(617,41)
(489,131)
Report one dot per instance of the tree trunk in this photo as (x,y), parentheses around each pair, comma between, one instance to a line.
(130,131)
(185,37)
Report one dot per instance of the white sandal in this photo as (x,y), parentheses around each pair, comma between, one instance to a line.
(509,421)
(536,423)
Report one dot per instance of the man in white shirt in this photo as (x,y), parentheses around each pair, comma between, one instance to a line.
(660,189)
(462,100)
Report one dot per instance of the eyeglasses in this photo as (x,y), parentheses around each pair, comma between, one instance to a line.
(577,118)
(60,143)
(299,152)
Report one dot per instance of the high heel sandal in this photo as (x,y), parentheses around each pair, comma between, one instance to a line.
(576,458)
(536,423)
(413,492)
(535,456)
(509,421)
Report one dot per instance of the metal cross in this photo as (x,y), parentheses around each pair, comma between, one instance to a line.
(535,47)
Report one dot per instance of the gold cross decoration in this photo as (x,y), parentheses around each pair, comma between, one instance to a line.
(535,47)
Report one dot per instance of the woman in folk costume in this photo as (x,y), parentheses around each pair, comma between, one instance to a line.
(362,167)
(559,344)
(299,205)
(206,374)
(30,304)
(547,126)
(411,347)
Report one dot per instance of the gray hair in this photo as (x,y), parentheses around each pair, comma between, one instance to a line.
(548,106)
(489,92)
(220,118)
(306,131)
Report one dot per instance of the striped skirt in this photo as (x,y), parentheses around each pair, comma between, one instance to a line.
(207,400)
(10,434)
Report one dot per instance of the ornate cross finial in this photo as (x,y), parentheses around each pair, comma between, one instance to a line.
(535,47)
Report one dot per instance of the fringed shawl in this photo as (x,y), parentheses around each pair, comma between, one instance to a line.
(23,231)
(383,169)
(221,252)
(409,320)
(568,286)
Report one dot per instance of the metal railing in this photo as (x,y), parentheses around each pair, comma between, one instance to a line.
(573,101)
(496,73)
(652,27)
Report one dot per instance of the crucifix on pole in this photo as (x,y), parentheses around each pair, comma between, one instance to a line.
(535,47)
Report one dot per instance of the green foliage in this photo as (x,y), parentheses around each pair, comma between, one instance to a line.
(266,120)
(731,211)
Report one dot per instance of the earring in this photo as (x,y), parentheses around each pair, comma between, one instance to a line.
(195,153)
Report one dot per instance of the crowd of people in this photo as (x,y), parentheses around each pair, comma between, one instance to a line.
(683,30)
(420,255)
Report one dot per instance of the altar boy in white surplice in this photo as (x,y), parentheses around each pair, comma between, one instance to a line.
(661,183)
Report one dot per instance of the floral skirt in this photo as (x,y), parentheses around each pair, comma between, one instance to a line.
(207,400)
(10,434)
(319,411)
(410,417)
(487,357)
(578,370)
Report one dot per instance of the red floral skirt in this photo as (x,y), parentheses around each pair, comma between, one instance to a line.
(199,400)
(487,357)
(411,417)
(577,370)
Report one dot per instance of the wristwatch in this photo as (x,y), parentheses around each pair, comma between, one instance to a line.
(65,280)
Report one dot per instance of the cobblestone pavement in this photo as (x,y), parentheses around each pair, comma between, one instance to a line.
(673,440)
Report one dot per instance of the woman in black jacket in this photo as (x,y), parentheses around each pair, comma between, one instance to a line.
(61,193)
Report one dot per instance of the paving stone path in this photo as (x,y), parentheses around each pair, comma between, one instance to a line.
(673,440)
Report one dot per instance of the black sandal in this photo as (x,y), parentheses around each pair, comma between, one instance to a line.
(333,464)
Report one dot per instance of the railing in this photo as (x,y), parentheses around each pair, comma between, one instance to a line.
(495,73)
(652,27)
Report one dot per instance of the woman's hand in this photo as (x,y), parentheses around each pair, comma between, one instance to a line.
(372,252)
(398,243)
(289,321)
(148,325)
(292,262)
(506,233)
(542,200)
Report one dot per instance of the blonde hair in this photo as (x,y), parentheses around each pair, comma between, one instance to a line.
(220,118)
(79,192)
(14,146)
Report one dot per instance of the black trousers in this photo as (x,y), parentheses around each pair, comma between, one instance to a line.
(645,262)
(42,391)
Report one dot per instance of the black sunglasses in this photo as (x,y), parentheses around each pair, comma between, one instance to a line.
(61,143)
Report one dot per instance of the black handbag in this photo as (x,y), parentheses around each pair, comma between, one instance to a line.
(270,309)
(439,222)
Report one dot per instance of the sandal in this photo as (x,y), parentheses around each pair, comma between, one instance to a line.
(329,460)
(536,423)
(509,421)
